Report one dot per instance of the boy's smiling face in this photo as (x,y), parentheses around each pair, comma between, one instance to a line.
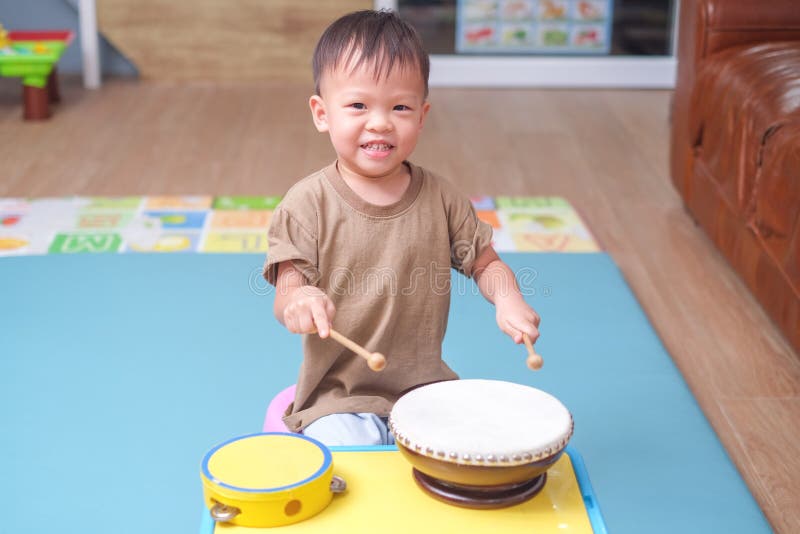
(373,123)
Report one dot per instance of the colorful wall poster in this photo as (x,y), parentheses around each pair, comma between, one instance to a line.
(533,26)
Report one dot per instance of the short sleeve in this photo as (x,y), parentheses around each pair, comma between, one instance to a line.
(469,236)
(289,240)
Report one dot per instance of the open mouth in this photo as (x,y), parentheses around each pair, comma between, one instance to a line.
(377,147)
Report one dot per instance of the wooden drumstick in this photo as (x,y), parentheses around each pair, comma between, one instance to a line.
(534,361)
(375,360)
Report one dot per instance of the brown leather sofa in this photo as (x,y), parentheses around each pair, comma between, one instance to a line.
(735,146)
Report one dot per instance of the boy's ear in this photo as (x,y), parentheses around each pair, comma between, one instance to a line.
(319,113)
(425,108)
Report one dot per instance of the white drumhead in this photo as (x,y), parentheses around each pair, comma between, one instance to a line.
(481,422)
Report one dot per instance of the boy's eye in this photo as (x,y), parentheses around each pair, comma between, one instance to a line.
(402,107)
(358,105)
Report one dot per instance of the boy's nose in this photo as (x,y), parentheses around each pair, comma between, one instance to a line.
(379,122)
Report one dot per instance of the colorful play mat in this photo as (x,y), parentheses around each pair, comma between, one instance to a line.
(237,224)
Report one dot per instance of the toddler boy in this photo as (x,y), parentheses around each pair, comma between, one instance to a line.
(371,239)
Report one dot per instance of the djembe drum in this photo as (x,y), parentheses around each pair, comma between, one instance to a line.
(480,443)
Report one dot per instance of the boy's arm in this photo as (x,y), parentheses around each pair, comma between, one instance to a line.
(498,285)
(301,308)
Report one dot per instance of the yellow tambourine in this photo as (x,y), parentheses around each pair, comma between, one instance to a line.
(268,480)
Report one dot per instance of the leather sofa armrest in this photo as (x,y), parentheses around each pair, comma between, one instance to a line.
(727,23)
(706,27)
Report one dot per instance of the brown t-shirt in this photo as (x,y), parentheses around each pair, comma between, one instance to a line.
(387,270)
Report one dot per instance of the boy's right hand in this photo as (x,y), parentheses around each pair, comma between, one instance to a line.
(309,310)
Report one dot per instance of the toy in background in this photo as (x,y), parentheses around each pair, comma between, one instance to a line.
(5,42)
(32,56)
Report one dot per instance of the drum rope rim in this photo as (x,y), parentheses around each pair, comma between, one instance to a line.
(483,458)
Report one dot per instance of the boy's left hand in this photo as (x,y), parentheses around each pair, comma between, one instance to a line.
(514,317)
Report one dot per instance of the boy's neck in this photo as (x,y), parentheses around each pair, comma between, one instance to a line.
(380,191)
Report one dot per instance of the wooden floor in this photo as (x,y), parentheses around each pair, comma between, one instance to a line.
(606,151)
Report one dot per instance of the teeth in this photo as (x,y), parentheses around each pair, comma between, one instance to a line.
(372,146)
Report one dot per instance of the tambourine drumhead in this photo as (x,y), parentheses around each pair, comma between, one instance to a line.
(481,422)
(265,463)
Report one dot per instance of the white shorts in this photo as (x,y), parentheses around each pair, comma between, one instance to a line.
(350,429)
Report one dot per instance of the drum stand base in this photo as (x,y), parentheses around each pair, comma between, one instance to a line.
(483,497)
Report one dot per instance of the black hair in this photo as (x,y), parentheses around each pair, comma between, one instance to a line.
(381,38)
